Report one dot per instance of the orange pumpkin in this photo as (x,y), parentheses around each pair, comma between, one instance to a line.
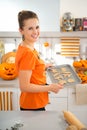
(81,69)
(46,44)
(9,57)
(77,64)
(8,71)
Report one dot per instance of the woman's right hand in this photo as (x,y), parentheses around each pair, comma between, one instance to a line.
(56,87)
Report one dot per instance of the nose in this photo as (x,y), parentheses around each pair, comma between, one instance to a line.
(35,30)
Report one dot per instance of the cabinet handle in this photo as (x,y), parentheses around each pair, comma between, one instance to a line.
(49,102)
(73,92)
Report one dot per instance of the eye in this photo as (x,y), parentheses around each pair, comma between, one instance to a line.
(30,28)
(37,27)
(6,68)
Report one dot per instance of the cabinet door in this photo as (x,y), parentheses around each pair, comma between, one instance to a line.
(83,48)
(72,101)
(57,104)
(9,98)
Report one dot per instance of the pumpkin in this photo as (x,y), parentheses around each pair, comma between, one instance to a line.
(84,63)
(46,44)
(9,57)
(81,69)
(77,64)
(8,71)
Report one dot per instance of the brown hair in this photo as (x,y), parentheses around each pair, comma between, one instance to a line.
(24,15)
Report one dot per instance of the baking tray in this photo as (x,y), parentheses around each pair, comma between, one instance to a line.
(63,74)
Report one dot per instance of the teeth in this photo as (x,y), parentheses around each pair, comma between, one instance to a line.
(34,36)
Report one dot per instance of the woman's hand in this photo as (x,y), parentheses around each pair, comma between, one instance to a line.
(48,65)
(56,87)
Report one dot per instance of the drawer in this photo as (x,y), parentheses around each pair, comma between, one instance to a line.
(61,93)
(57,104)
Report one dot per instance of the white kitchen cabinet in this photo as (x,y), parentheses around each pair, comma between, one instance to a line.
(61,94)
(57,104)
(11,86)
(65,99)
(83,48)
(58,101)
(72,105)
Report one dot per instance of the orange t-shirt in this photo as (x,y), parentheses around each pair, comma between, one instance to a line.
(26,59)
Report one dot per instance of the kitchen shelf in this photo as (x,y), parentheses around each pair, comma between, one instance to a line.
(80,34)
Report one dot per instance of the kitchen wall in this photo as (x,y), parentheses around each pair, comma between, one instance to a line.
(76,7)
(50,14)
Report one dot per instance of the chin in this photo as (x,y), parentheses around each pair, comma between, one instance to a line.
(35,40)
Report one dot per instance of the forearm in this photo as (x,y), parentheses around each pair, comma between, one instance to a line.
(35,88)
(26,86)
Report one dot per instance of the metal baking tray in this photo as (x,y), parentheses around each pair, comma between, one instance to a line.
(63,74)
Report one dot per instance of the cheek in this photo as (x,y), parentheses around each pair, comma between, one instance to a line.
(38,31)
(26,34)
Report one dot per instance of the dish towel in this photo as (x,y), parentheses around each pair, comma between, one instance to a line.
(81,94)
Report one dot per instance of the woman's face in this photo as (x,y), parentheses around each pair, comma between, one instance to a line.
(31,30)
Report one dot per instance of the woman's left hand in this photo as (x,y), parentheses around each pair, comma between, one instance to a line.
(49,65)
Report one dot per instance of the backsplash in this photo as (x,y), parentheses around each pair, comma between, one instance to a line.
(52,53)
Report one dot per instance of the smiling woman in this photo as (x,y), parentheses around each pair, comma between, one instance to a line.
(49,21)
(31,68)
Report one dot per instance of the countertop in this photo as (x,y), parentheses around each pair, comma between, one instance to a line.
(9,83)
(40,120)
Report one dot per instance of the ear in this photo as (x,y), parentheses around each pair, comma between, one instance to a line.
(21,31)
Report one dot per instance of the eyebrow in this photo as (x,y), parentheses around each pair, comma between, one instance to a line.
(26,27)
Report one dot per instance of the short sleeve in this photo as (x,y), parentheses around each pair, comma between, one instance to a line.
(28,61)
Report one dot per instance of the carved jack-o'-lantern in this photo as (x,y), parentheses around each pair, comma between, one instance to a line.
(8,71)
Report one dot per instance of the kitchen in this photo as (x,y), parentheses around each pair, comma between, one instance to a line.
(66,98)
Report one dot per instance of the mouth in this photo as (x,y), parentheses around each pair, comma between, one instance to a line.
(34,36)
(9,74)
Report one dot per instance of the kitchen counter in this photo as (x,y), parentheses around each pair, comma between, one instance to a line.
(31,120)
(9,83)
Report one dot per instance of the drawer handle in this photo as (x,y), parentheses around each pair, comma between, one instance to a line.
(73,92)
(49,102)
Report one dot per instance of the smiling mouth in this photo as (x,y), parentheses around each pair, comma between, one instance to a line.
(35,36)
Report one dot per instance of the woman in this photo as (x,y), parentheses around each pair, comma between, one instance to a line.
(31,69)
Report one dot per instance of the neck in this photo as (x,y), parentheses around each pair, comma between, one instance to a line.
(28,45)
